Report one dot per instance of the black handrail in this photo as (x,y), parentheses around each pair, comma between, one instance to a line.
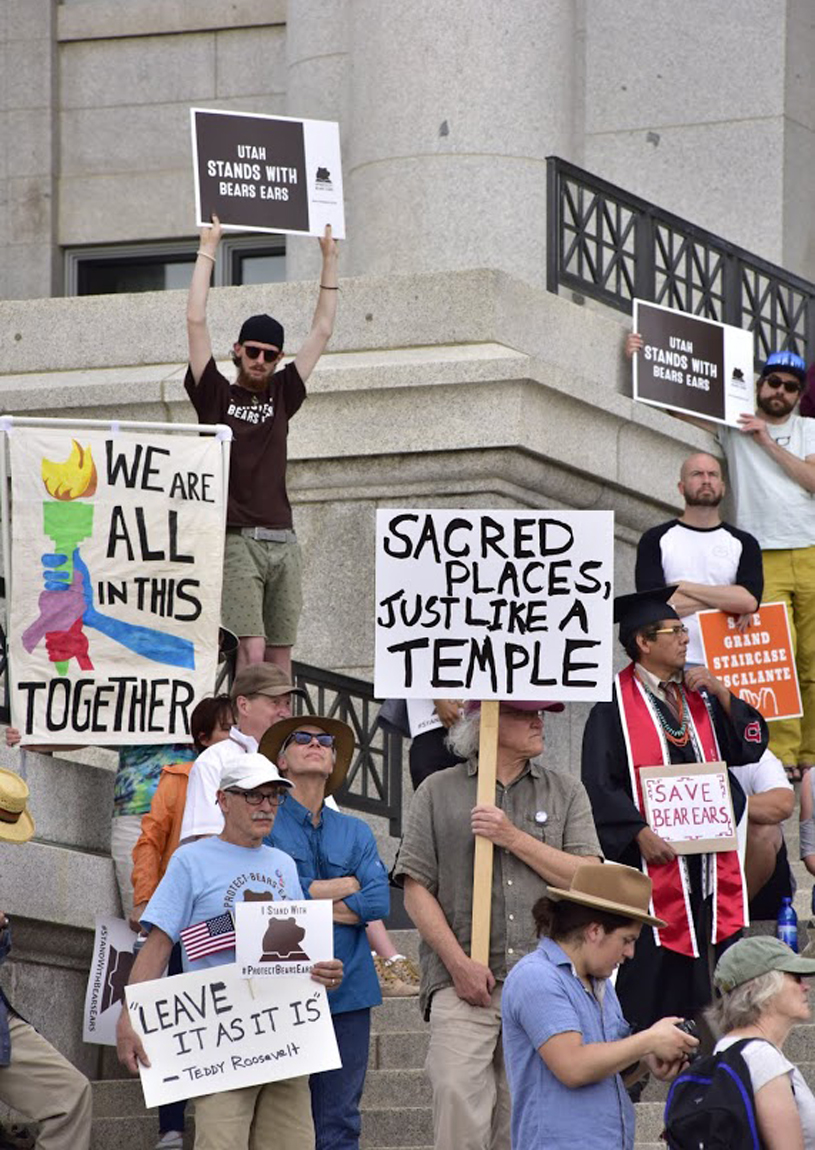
(612,246)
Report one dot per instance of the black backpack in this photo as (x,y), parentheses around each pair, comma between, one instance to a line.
(710,1104)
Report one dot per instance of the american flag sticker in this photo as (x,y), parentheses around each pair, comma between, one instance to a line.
(209,937)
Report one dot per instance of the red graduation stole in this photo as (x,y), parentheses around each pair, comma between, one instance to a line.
(646,746)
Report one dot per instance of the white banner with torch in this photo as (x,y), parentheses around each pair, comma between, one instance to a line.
(116,563)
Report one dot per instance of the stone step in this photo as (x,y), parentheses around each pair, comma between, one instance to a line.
(649,1122)
(397,1014)
(386,1127)
(397,1050)
(396,1087)
(130,1133)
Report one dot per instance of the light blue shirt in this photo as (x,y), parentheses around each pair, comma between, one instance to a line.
(208,877)
(543,997)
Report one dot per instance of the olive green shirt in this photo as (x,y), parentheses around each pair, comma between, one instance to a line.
(439,847)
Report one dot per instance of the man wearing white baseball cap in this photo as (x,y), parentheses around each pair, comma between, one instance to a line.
(202,883)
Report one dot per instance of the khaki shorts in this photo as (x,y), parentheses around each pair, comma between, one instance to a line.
(262,593)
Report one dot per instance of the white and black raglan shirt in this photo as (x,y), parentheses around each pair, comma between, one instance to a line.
(673,551)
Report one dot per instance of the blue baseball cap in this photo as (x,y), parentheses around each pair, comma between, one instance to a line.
(786,361)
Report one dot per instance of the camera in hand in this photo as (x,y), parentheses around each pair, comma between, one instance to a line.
(690,1027)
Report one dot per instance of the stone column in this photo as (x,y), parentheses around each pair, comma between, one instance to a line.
(317,89)
(454,108)
(27,147)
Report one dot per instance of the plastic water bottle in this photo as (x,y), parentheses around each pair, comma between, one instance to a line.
(787,926)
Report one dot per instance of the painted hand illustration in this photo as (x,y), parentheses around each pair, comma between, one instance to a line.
(64,609)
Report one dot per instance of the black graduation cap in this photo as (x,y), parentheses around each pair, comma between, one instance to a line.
(633,612)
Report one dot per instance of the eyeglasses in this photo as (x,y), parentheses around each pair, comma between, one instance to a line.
(792,387)
(304,738)
(269,354)
(676,631)
(256,798)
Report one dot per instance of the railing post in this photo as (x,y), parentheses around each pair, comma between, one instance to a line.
(645,280)
(553,224)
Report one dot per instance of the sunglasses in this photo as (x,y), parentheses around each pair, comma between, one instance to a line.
(790,386)
(303,738)
(679,629)
(269,354)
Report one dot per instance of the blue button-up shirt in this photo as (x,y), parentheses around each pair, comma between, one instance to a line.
(338,846)
(543,997)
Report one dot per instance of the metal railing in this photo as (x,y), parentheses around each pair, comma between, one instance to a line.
(373,784)
(612,246)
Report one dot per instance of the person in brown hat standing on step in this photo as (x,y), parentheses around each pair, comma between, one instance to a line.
(36,1079)
(566,1042)
(336,858)
(262,594)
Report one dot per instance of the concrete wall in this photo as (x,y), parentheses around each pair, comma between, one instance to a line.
(447,113)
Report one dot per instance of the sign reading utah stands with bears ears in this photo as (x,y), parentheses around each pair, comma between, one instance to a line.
(267,173)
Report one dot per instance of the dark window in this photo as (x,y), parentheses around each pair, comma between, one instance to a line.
(164,266)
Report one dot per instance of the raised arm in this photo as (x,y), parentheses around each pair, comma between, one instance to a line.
(200,345)
(322,325)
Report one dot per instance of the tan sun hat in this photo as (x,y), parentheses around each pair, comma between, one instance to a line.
(16,824)
(619,890)
(277,734)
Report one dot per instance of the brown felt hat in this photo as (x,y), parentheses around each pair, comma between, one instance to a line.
(619,890)
(275,737)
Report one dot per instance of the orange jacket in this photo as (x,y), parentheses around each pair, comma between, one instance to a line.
(160,831)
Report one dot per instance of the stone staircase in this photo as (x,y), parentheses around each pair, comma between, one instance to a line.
(396,1102)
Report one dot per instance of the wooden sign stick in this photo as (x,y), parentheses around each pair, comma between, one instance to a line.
(482,870)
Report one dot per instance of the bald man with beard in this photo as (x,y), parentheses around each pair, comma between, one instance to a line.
(715,565)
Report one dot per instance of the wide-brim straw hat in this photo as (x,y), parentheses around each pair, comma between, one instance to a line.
(16,824)
(616,889)
(344,744)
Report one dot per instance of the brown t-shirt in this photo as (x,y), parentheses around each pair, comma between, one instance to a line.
(260,426)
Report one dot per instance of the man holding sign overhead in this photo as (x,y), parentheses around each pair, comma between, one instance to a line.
(262,594)
(541,826)
(661,715)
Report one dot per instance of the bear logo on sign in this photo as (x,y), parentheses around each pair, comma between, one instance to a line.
(281,942)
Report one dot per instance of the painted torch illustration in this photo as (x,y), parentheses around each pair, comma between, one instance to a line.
(67,602)
(67,520)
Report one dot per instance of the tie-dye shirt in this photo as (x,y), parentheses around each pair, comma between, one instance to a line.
(139,771)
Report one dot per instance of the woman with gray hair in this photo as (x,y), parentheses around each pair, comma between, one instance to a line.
(764,993)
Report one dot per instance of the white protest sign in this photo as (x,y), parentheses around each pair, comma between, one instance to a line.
(693,365)
(212,1030)
(494,604)
(112,962)
(267,173)
(690,806)
(117,557)
(282,937)
(422,716)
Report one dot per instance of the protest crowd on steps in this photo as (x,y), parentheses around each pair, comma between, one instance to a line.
(606,945)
